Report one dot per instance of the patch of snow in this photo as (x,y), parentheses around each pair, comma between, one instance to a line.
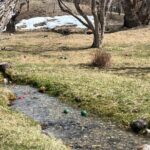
(50,22)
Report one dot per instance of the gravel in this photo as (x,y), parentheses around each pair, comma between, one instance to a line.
(80,133)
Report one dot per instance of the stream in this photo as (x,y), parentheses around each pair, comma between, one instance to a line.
(80,133)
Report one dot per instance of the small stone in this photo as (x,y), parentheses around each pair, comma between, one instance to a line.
(34,97)
(10,104)
(66,111)
(84,113)
(96,146)
(10,82)
(147,131)
(21,97)
(44,126)
(149,124)
(42,89)
(2,48)
(5,81)
(45,36)
(25,93)
(77,99)
(62,57)
(4,66)
(144,147)
(138,125)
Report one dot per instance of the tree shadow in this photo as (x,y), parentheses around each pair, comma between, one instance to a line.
(134,71)
(145,69)
(67,48)
(40,51)
(129,71)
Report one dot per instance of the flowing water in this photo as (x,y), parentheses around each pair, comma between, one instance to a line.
(80,133)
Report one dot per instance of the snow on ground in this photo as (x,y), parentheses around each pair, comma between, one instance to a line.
(50,22)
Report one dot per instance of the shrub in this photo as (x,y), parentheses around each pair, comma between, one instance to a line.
(101,59)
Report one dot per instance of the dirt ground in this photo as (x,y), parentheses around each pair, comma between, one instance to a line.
(42,8)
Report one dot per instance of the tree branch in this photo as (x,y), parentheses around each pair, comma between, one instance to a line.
(77,6)
(69,11)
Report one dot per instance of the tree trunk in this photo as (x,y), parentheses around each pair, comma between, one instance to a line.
(136,12)
(130,19)
(11,26)
(7,8)
(144,13)
(96,41)
(98,8)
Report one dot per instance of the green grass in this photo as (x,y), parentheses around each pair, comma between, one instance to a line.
(120,93)
(17,132)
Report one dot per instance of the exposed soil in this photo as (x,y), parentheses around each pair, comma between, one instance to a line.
(40,8)
(80,133)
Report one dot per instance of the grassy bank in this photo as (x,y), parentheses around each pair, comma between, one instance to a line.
(59,63)
(20,133)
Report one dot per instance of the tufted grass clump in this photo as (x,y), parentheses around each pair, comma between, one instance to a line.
(101,59)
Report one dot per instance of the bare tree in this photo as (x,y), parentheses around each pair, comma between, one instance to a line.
(99,9)
(11,25)
(9,10)
(6,12)
(137,12)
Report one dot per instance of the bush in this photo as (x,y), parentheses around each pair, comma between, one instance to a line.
(101,59)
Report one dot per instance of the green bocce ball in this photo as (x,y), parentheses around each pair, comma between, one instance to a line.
(84,113)
(66,111)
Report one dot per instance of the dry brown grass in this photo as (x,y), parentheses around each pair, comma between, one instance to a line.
(60,63)
(101,59)
(132,36)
